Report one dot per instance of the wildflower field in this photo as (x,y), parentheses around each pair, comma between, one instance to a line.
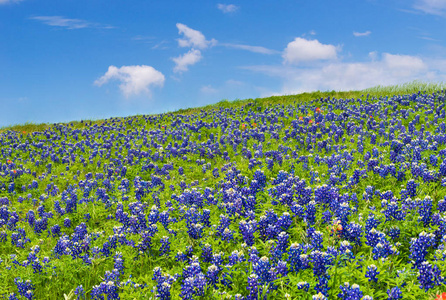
(282,198)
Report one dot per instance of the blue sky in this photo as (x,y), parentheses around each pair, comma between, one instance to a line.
(75,59)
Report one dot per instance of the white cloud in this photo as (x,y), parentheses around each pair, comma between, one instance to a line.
(190,58)
(390,69)
(160,45)
(234,82)
(303,50)
(134,79)
(208,89)
(255,49)
(193,38)
(427,38)
(434,7)
(358,34)
(227,8)
(373,55)
(402,62)
(59,21)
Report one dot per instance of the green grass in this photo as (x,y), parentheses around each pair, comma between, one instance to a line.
(377,91)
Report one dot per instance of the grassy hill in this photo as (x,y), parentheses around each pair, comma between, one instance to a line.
(324,195)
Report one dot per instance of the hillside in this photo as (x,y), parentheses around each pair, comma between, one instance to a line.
(313,196)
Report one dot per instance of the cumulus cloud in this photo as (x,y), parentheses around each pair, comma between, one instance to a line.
(134,79)
(434,7)
(227,8)
(387,70)
(358,34)
(303,50)
(255,49)
(59,21)
(193,38)
(182,62)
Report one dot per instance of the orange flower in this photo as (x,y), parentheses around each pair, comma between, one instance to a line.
(318,110)
(243,126)
(14,171)
(254,124)
(301,118)
(441,297)
(336,227)
(311,121)
(9,161)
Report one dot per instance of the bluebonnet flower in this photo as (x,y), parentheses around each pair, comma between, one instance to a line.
(394,232)
(228,235)
(429,276)
(371,273)
(67,222)
(247,229)
(262,269)
(303,285)
(297,259)
(297,210)
(394,294)
(350,292)
(119,262)
(320,263)
(442,205)
(373,237)
(25,288)
(392,211)
(206,253)
(319,296)
(212,275)
(235,258)
(165,246)
(195,230)
(163,284)
(163,291)
(285,221)
(108,288)
(372,222)
(79,292)
(13,296)
(383,249)
(218,259)
(280,246)
(326,216)
(253,287)
(310,213)
(193,286)
(322,285)
(419,246)
(353,233)
(425,210)
(253,255)
(316,240)
(55,230)
(282,268)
